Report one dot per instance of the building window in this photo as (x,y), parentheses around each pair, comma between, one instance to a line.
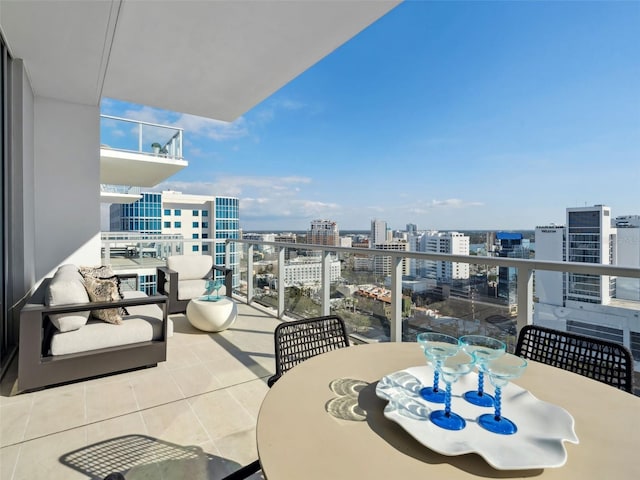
(195,213)
(205,235)
(194,235)
(205,248)
(167,224)
(167,211)
(195,248)
(205,224)
(177,224)
(177,212)
(195,224)
(205,213)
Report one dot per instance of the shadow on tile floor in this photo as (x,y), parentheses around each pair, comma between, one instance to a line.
(142,456)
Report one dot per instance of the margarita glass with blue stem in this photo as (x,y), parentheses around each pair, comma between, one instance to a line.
(483,349)
(213,286)
(501,370)
(437,347)
(451,369)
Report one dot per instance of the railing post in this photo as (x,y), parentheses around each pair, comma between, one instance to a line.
(139,137)
(525,297)
(326,282)
(396,299)
(281,282)
(249,273)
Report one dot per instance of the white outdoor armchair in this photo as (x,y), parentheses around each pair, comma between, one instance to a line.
(185,277)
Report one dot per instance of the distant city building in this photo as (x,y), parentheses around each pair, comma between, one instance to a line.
(203,221)
(628,254)
(590,239)
(346,242)
(378,232)
(509,245)
(261,237)
(382,264)
(324,232)
(444,242)
(308,271)
(287,237)
(600,306)
(550,245)
(143,216)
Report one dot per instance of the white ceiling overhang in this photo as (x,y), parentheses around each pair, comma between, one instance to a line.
(216,59)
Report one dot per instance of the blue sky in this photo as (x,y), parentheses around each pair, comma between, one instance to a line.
(449,115)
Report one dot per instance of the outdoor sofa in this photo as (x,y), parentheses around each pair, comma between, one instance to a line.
(61,340)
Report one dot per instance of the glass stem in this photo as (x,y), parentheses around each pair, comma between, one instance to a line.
(436,376)
(447,401)
(498,403)
(480,382)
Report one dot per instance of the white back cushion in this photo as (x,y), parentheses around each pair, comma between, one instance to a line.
(66,287)
(190,267)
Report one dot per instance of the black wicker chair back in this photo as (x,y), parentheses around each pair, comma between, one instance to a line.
(300,340)
(605,361)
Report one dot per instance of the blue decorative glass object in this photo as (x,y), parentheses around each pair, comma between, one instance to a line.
(501,371)
(437,347)
(483,349)
(213,286)
(451,369)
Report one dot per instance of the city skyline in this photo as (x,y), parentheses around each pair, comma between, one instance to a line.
(451,116)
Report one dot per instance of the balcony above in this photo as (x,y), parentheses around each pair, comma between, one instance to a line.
(138,153)
(119,194)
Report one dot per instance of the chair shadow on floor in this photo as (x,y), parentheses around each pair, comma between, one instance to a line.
(141,456)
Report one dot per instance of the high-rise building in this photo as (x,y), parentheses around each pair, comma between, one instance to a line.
(143,216)
(628,254)
(444,242)
(382,264)
(590,239)
(324,232)
(509,245)
(203,221)
(378,233)
(550,245)
(287,237)
(600,306)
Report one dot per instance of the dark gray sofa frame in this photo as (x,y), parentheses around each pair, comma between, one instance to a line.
(37,369)
(180,306)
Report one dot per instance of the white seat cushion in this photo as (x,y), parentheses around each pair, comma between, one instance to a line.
(143,323)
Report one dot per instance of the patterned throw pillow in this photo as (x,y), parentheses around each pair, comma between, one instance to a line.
(105,290)
(100,271)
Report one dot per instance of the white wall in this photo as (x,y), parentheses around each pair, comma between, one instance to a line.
(66,184)
(21,245)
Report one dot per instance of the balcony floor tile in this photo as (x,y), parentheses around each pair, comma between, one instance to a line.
(193,416)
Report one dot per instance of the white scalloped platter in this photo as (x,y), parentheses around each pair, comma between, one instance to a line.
(542,427)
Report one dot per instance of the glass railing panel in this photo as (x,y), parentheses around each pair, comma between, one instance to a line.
(601,306)
(302,283)
(140,137)
(483,301)
(362,299)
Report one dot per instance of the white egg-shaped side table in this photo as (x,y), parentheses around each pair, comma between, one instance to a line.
(212,316)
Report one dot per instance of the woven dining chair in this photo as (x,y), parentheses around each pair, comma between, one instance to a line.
(295,342)
(601,360)
(300,340)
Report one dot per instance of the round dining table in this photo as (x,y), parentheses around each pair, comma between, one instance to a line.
(306,428)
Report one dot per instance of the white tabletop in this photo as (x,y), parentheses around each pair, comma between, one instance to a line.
(298,438)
